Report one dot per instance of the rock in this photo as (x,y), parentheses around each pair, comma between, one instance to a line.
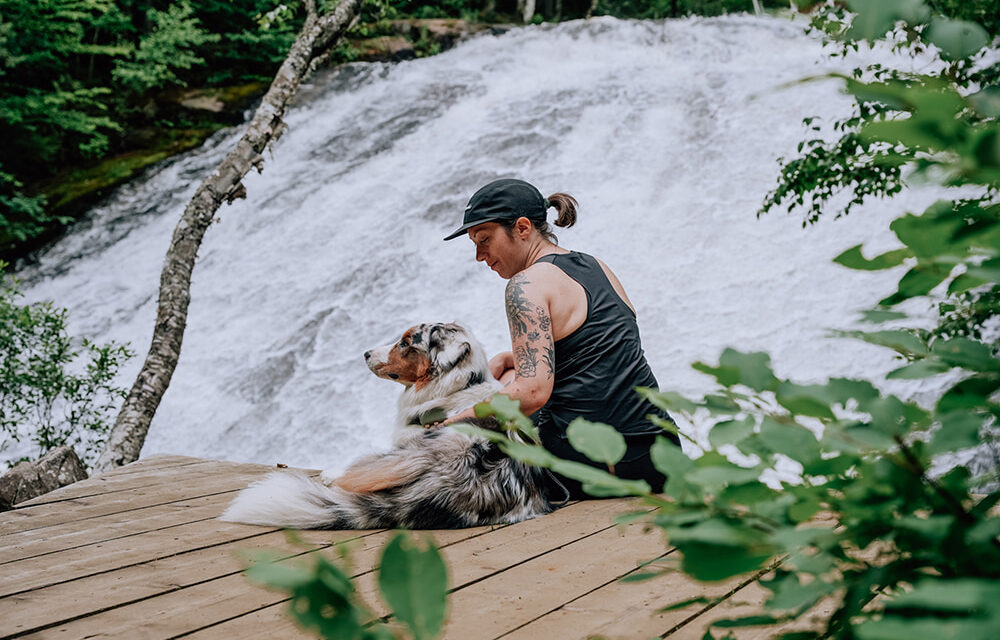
(393,48)
(55,469)
(442,31)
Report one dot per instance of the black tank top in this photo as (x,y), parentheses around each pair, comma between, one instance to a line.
(599,365)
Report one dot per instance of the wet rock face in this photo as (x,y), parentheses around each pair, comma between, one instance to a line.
(55,469)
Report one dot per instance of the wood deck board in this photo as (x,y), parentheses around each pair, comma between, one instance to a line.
(139,553)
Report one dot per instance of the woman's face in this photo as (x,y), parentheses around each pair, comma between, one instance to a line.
(499,249)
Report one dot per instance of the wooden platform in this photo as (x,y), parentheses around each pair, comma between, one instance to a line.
(139,553)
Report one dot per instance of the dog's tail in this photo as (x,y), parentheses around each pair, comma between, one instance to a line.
(291,500)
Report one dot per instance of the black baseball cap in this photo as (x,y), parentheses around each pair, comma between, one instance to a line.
(506,199)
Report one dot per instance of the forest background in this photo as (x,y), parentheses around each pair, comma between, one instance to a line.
(93,91)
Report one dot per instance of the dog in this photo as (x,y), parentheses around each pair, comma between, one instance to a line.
(432,477)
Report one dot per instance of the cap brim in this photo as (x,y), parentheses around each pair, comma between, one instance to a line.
(465,227)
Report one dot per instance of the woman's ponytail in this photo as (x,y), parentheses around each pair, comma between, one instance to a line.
(565,206)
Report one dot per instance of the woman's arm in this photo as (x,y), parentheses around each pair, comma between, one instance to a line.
(532,357)
(532,343)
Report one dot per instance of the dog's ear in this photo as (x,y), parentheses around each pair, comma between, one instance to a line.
(446,348)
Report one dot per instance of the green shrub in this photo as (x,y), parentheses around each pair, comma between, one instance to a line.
(54,390)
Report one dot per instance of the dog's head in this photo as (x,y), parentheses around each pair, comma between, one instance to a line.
(425,353)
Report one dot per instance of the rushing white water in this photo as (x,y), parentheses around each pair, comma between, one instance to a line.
(666,132)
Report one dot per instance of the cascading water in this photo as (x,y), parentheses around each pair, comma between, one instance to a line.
(666,132)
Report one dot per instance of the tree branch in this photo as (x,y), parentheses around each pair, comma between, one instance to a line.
(224,184)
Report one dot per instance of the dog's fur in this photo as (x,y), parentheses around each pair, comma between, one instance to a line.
(432,478)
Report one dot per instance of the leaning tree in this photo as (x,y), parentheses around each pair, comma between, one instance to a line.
(320,31)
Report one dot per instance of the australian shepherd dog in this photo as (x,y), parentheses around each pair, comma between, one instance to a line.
(431,478)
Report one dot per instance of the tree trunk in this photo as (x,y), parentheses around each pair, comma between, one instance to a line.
(529,11)
(224,184)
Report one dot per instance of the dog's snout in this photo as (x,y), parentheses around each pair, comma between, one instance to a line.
(368,355)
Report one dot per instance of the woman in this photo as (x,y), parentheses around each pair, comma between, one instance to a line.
(575,348)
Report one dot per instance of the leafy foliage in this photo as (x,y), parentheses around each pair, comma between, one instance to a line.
(413,582)
(864,168)
(167,48)
(41,397)
(863,527)
(657,9)
(888,132)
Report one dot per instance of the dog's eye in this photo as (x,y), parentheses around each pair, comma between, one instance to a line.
(403,344)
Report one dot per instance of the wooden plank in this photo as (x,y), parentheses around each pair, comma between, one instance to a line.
(203,603)
(231,477)
(470,559)
(110,482)
(33,610)
(630,609)
(521,592)
(62,566)
(70,535)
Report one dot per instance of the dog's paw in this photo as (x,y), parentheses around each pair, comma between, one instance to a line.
(328,476)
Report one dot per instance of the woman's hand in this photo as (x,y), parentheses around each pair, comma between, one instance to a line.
(501,363)
(458,417)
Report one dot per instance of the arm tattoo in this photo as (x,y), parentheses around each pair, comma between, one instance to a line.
(530,331)
(518,306)
(527,361)
(549,358)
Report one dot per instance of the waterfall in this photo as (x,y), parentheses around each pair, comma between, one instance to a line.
(667,133)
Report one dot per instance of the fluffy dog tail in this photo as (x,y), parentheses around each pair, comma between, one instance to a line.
(291,500)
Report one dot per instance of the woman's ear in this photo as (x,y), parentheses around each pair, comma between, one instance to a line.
(523,226)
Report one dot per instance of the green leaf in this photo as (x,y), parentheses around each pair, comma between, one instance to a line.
(788,593)
(599,442)
(956,39)
(747,621)
(719,404)
(966,353)
(719,473)
(414,583)
(904,342)
(687,603)
(279,576)
(752,369)
(507,410)
(713,562)
(804,509)
(893,417)
(841,390)
(668,400)
(930,235)
(987,102)
(644,576)
(958,430)
(878,316)
(911,628)
(969,393)
(669,459)
(730,431)
(529,454)
(918,281)
(598,482)
(853,259)
(925,368)
(792,440)
(873,19)
(748,493)
(960,595)
(811,400)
